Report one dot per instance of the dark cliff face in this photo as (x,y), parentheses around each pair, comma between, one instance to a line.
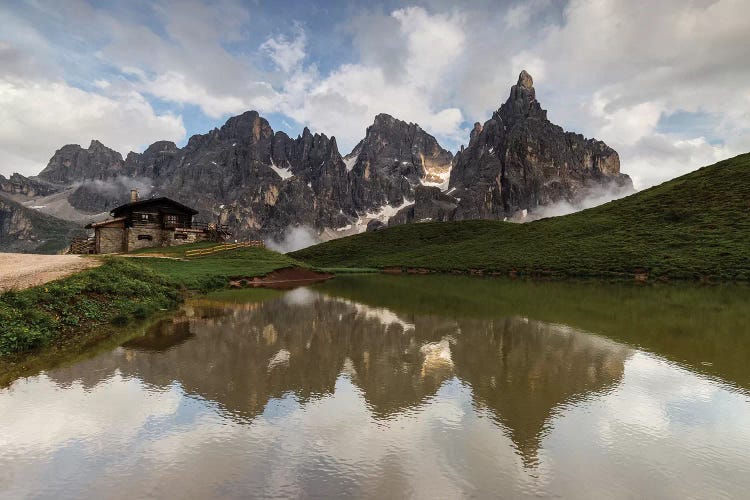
(318,191)
(23,186)
(260,182)
(393,159)
(72,163)
(243,174)
(518,160)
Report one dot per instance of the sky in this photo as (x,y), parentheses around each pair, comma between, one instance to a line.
(666,83)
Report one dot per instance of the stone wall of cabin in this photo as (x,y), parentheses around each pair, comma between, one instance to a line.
(157,234)
(110,239)
(161,237)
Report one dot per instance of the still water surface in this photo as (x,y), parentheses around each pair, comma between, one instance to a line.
(386,386)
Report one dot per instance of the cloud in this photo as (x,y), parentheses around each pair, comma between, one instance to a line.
(606,68)
(410,87)
(190,63)
(433,44)
(37,117)
(658,157)
(628,67)
(594,197)
(294,238)
(346,102)
(284,52)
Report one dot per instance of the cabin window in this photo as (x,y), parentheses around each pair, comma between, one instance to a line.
(180,236)
(143,218)
(146,237)
(170,219)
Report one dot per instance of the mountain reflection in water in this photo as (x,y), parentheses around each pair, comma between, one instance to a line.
(240,357)
(313,391)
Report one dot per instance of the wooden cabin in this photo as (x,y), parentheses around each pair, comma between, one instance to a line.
(157,222)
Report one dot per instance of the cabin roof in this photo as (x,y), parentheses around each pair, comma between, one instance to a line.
(130,207)
(104,223)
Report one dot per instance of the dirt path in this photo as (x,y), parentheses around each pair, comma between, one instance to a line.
(21,270)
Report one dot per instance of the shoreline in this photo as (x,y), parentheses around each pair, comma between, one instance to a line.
(71,316)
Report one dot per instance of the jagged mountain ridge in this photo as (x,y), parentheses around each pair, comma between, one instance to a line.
(516,162)
(256,180)
(261,182)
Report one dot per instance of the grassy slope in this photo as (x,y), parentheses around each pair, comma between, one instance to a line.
(52,234)
(118,291)
(112,293)
(214,271)
(695,226)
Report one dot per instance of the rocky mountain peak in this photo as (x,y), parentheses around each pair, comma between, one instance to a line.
(95,145)
(261,182)
(519,161)
(392,159)
(20,185)
(161,147)
(522,101)
(386,120)
(525,80)
(247,126)
(73,163)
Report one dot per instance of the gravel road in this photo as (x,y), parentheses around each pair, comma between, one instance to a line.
(21,270)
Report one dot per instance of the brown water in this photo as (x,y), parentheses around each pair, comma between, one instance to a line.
(382,386)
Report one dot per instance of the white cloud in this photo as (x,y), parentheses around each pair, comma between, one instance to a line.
(284,52)
(345,102)
(181,88)
(657,157)
(627,67)
(38,117)
(630,124)
(606,68)
(433,44)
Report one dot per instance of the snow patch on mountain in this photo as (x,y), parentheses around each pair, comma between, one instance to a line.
(438,179)
(350,161)
(284,173)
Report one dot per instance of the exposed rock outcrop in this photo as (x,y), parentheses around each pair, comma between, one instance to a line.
(375,225)
(72,163)
(392,159)
(23,186)
(261,182)
(247,176)
(518,160)
(430,204)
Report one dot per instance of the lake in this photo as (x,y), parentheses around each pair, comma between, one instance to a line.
(400,386)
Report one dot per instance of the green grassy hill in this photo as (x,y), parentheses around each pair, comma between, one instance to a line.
(694,227)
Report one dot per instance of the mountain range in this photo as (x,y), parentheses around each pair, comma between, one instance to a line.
(262,182)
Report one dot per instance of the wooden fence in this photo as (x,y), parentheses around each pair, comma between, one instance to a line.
(223,248)
(82,245)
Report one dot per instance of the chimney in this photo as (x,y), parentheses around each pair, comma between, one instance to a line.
(133,195)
